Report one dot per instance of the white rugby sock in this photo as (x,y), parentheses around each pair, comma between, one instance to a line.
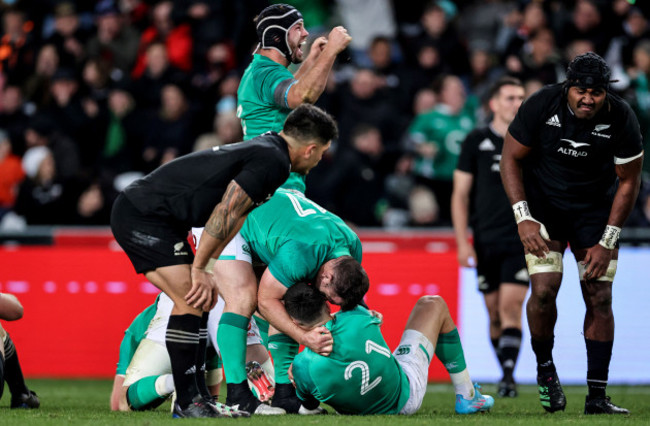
(462,384)
(165,384)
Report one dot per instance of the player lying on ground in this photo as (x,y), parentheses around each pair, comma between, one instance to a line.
(10,371)
(147,381)
(361,376)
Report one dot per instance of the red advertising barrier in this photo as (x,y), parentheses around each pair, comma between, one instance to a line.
(78,299)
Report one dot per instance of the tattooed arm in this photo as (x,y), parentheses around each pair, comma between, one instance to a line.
(224,222)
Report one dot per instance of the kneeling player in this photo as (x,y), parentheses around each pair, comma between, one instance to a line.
(361,376)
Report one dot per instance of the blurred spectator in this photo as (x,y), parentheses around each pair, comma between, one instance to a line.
(13,118)
(391,75)
(484,71)
(17,46)
(364,20)
(43,197)
(37,85)
(41,132)
(436,137)
(639,96)
(212,21)
(356,184)
(517,28)
(96,79)
(170,131)
(69,37)
(73,115)
(620,55)
(157,74)
(424,209)
(586,23)
(437,27)
(115,42)
(481,22)
(11,174)
(537,59)
(123,137)
(176,39)
(227,129)
(425,101)
(362,101)
(315,12)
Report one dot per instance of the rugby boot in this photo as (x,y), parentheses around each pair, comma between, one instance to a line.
(551,394)
(225,411)
(285,397)
(197,408)
(25,400)
(258,378)
(480,403)
(241,398)
(507,388)
(603,406)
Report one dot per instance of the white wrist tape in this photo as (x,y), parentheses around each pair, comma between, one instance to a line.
(522,213)
(610,237)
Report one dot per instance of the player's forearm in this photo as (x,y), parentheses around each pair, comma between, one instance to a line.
(624,200)
(224,222)
(512,179)
(275,313)
(460,217)
(312,83)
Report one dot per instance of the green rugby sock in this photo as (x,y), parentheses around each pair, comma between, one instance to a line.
(231,339)
(283,350)
(142,394)
(450,352)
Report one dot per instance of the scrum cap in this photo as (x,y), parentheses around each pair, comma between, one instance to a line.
(273,25)
(588,71)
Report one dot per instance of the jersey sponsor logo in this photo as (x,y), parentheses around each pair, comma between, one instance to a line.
(554,121)
(178,249)
(575,144)
(403,350)
(599,128)
(486,145)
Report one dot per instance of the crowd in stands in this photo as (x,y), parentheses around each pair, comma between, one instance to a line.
(95,94)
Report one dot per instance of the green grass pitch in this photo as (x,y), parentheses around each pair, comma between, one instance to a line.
(85,402)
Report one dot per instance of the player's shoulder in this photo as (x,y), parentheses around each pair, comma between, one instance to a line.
(548,94)
(619,107)
(477,135)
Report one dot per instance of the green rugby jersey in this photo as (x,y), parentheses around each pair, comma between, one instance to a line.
(360,376)
(294,236)
(257,107)
(134,335)
(447,132)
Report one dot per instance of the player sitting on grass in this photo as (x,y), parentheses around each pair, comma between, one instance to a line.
(10,371)
(361,376)
(147,381)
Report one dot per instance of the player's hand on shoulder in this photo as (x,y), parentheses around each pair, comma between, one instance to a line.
(319,340)
(377,315)
(596,261)
(201,295)
(338,39)
(533,234)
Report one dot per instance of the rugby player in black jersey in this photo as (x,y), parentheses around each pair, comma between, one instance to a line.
(215,189)
(571,167)
(497,253)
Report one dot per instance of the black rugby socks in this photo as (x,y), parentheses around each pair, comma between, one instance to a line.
(182,341)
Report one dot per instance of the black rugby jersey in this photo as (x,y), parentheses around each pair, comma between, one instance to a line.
(572,162)
(187,189)
(491,214)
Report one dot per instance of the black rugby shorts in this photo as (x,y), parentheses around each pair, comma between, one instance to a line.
(500,263)
(150,241)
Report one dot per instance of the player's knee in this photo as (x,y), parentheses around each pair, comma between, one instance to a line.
(433,303)
(600,304)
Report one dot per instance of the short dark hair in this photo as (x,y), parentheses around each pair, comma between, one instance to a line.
(350,282)
(502,82)
(308,122)
(304,302)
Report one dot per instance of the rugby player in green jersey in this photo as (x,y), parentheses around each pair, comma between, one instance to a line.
(299,241)
(361,375)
